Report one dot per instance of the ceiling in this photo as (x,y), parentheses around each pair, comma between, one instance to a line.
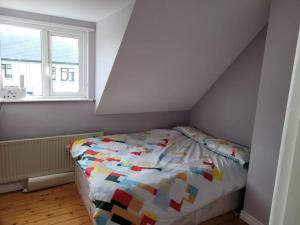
(87,10)
(174,50)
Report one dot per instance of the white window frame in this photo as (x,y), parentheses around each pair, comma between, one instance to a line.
(48,29)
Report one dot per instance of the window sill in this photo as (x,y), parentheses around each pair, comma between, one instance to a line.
(29,99)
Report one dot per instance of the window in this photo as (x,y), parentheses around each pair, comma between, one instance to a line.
(6,71)
(21,50)
(65,58)
(67,74)
(52,59)
(53,72)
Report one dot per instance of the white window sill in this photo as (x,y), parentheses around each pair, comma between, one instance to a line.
(30,99)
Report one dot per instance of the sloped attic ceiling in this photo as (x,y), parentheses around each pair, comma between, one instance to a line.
(174,50)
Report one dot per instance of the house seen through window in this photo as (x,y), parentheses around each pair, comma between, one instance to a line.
(51,62)
(6,70)
(64,59)
(21,50)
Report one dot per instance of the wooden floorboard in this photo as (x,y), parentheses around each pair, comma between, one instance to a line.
(61,205)
(227,219)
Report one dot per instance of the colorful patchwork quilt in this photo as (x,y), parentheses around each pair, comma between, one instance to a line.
(153,177)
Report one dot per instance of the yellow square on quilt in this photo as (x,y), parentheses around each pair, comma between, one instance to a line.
(151,215)
(94,164)
(182,176)
(217,174)
(79,142)
(102,170)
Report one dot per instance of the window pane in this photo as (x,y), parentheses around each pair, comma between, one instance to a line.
(21,55)
(65,64)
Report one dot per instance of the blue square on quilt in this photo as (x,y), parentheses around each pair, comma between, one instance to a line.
(125,183)
(98,148)
(192,190)
(112,178)
(161,200)
(197,170)
(101,220)
(85,163)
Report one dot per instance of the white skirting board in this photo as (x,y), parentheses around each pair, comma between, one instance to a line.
(37,183)
(249,219)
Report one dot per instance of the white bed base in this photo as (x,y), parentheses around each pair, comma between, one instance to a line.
(220,206)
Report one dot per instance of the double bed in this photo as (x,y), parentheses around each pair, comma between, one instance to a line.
(157,177)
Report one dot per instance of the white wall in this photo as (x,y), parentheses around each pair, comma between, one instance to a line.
(274,87)
(286,199)
(23,120)
(228,108)
(174,50)
(45,18)
(26,120)
(109,35)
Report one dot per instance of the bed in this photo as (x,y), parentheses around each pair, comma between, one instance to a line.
(156,177)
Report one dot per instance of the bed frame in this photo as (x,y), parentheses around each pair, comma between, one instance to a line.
(221,206)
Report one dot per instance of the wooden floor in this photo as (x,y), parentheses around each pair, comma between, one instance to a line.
(227,219)
(62,206)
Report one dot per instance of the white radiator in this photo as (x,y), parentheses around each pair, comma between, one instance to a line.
(22,159)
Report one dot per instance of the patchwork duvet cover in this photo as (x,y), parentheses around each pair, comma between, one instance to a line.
(153,177)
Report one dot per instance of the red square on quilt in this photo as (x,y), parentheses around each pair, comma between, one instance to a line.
(91,152)
(175,205)
(208,176)
(88,171)
(147,221)
(136,168)
(107,140)
(122,197)
(116,174)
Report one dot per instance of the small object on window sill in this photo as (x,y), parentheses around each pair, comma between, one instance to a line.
(30,99)
(12,93)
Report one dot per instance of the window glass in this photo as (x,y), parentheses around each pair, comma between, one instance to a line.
(53,73)
(7,71)
(49,58)
(65,62)
(21,55)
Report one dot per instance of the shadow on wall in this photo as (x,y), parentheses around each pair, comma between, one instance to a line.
(228,109)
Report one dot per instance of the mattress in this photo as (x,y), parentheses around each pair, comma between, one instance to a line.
(155,177)
(227,203)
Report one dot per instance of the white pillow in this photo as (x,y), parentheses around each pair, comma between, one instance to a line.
(228,149)
(193,133)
